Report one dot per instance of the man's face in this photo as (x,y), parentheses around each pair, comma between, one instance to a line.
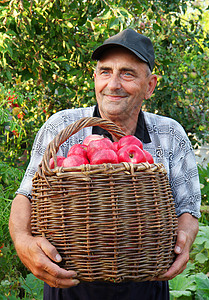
(121,84)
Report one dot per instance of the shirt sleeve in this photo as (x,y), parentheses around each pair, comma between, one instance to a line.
(184,178)
(43,138)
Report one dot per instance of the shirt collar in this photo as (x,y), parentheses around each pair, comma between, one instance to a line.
(141,128)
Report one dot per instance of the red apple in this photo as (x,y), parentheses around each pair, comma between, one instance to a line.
(92,137)
(74,161)
(129,139)
(95,146)
(104,156)
(131,153)
(78,149)
(148,157)
(59,161)
(115,146)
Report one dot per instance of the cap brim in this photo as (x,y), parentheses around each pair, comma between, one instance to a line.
(98,52)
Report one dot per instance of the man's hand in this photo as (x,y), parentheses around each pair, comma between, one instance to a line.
(36,253)
(187,230)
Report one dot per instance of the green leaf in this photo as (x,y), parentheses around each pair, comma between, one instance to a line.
(114,23)
(180,293)
(9,75)
(107,15)
(202,282)
(156,27)
(202,292)
(200,240)
(200,295)
(33,286)
(201,258)
(182,285)
(69,24)
(207,245)
(3,116)
(61,58)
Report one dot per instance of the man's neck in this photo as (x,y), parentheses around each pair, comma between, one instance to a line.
(128,126)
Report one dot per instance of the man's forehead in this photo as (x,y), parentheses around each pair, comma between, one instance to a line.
(121,66)
(121,59)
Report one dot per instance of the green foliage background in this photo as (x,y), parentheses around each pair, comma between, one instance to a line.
(45,66)
(45,59)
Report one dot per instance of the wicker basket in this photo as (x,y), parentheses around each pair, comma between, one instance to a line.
(109,222)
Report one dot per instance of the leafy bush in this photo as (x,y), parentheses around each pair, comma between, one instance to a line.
(28,288)
(204,181)
(50,43)
(9,182)
(200,250)
(204,184)
(15,280)
(10,265)
(189,285)
(193,283)
(22,113)
(32,286)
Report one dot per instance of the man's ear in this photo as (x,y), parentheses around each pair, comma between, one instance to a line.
(151,86)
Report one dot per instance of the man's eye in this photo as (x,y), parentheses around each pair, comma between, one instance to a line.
(127,74)
(104,72)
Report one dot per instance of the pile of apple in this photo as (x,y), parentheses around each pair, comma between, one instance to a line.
(97,150)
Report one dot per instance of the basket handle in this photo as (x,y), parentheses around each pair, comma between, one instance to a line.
(71,129)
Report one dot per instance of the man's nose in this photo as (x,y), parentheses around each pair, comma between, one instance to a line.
(114,82)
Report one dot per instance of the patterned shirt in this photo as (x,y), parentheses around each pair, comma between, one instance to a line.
(167,142)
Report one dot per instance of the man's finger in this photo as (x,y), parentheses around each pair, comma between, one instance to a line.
(180,242)
(57,281)
(49,249)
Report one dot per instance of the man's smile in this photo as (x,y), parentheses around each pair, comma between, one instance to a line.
(114,97)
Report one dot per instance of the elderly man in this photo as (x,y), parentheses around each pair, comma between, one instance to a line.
(123,79)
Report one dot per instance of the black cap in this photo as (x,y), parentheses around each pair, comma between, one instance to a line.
(137,43)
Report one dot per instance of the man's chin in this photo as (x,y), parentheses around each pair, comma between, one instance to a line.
(114,114)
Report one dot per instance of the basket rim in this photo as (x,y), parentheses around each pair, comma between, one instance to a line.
(112,168)
(84,172)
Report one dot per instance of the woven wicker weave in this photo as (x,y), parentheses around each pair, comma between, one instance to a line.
(109,222)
